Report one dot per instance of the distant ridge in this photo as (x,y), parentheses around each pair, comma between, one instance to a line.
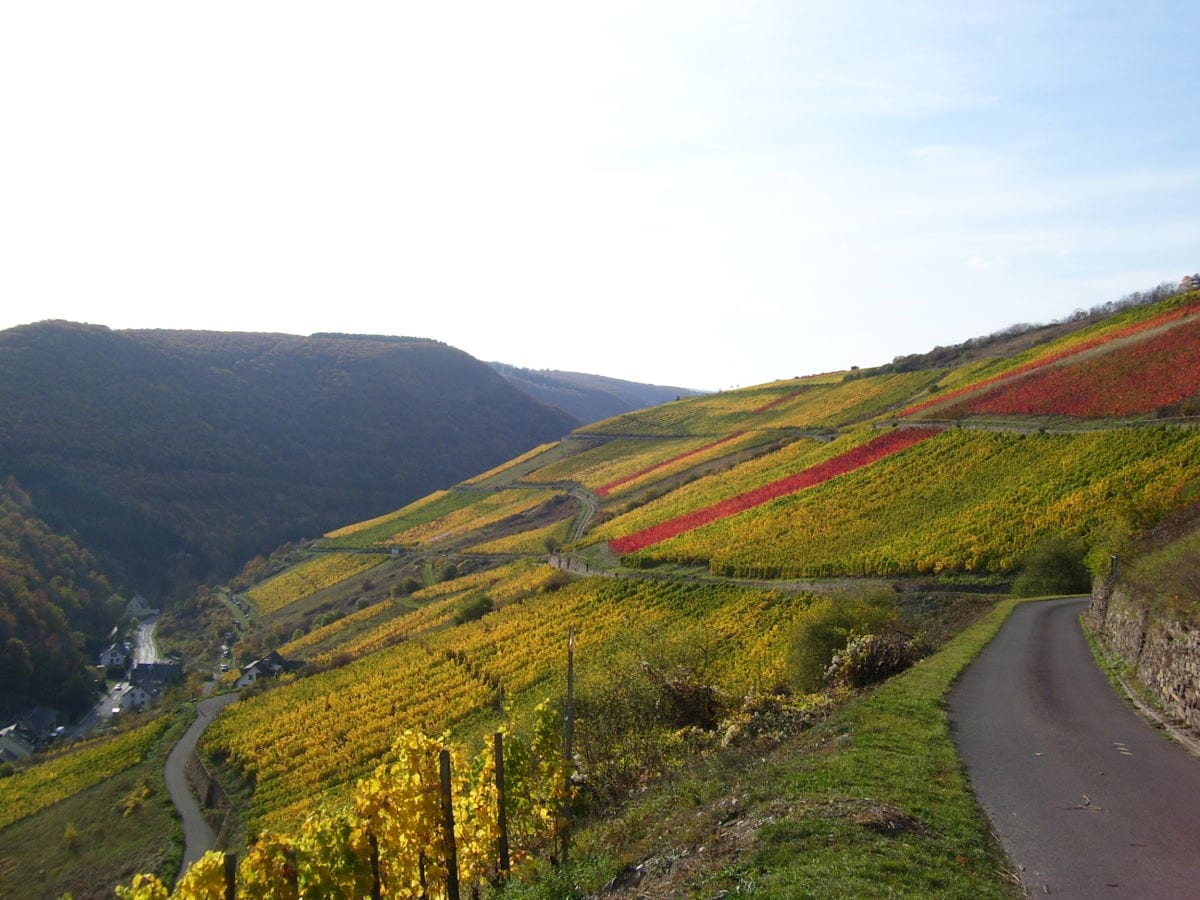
(589,398)
(177,455)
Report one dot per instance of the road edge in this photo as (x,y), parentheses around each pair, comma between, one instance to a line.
(1182,736)
(179,787)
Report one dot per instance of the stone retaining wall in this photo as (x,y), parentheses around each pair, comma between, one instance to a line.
(1165,653)
(214,802)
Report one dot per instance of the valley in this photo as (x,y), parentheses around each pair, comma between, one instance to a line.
(767,593)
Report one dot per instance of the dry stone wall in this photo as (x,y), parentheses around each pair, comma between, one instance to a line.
(1165,653)
(214,802)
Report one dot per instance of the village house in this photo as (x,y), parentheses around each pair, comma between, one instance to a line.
(134,698)
(116,656)
(139,607)
(40,723)
(13,744)
(156,674)
(269,666)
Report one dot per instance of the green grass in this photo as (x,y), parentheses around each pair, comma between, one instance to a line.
(73,770)
(1167,576)
(36,859)
(900,767)
(872,802)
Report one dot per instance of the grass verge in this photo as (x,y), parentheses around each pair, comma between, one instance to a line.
(872,802)
(99,837)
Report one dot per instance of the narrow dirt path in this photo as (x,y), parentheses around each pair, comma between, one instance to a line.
(588,508)
(198,837)
(1087,799)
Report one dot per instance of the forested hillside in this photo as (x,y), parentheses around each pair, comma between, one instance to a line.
(178,455)
(173,457)
(54,609)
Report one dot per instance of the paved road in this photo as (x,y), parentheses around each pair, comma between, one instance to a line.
(198,837)
(145,649)
(1087,799)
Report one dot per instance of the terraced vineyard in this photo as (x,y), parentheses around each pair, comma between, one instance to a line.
(320,733)
(532,542)
(440,605)
(383,529)
(963,501)
(877,448)
(1110,332)
(711,415)
(302,741)
(1133,379)
(306,579)
(682,525)
(835,400)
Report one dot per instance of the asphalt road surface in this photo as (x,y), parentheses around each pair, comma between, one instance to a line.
(198,837)
(1087,799)
(145,650)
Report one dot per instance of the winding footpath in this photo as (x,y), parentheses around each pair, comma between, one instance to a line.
(198,837)
(1086,798)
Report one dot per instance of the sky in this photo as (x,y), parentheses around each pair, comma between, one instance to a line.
(695,194)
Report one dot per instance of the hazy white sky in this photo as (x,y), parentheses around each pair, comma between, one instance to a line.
(701,194)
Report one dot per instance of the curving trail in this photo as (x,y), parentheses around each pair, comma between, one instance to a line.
(198,837)
(1087,799)
(589,505)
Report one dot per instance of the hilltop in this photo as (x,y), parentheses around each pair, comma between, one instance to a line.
(738,570)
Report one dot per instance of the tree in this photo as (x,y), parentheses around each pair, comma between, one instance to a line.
(825,627)
(1054,566)
(475,608)
(16,666)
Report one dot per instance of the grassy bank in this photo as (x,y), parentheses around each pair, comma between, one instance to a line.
(872,802)
(100,836)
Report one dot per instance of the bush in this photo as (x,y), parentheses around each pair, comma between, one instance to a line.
(682,700)
(772,717)
(826,626)
(475,608)
(406,587)
(868,659)
(1055,566)
(555,582)
(326,618)
(651,705)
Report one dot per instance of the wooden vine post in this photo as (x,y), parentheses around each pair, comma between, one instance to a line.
(230,876)
(376,881)
(501,815)
(448,822)
(568,745)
